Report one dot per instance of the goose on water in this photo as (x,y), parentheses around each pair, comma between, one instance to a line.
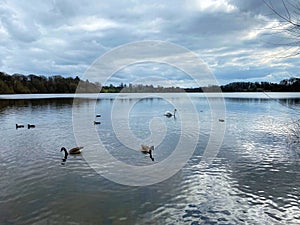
(19,126)
(72,151)
(30,126)
(147,150)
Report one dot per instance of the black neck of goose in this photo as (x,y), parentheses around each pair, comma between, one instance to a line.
(66,153)
(151,157)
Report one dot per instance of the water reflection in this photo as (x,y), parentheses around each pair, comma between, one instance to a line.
(255,178)
(5,103)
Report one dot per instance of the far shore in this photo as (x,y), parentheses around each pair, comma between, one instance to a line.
(243,95)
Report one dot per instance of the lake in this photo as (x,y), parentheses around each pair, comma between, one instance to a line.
(253,177)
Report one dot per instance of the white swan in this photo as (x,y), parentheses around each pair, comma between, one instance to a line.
(169,114)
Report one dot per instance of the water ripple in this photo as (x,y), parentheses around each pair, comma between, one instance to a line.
(253,180)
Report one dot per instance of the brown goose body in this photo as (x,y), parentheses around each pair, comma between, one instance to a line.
(72,151)
(147,150)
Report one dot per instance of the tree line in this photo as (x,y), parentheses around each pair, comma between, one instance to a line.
(287,85)
(33,84)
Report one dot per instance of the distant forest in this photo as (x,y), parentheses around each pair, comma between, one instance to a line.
(33,84)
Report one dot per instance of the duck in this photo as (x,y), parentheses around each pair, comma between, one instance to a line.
(30,126)
(145,149)
(72,151)
(221,120)
(169,114)
(96,122)
(19,126)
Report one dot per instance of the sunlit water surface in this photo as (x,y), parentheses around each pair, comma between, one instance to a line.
(255,178)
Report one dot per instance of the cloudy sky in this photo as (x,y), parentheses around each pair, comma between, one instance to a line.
(233,37)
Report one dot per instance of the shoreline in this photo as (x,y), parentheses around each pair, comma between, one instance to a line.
(243,95)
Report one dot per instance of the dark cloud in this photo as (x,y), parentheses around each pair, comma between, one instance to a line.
(234,37)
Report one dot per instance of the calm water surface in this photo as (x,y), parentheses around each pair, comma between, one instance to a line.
(255,178)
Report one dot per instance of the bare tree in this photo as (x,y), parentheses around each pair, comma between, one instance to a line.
(294,136)
(288,14)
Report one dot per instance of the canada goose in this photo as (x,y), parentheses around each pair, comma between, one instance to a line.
(66,153)
(169,114)
(96,122)
(98,115)
(72,151)
(147,150)
(30,126)
(19,126)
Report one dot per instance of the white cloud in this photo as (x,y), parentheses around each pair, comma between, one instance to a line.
(90,24)
(64,37)
(211,6)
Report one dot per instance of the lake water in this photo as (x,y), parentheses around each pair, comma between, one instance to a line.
(253,179)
